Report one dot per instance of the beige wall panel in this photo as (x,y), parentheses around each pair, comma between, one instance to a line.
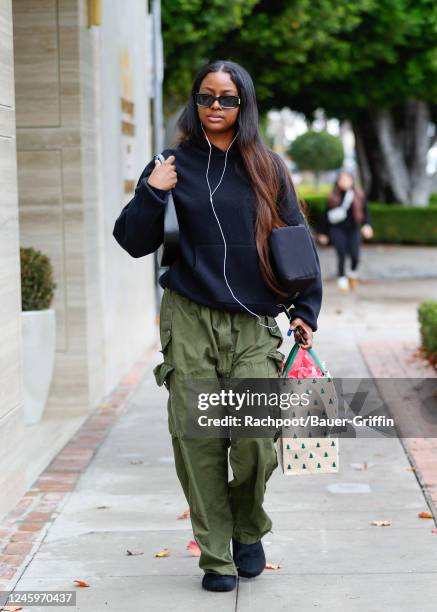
(72,176)
(7,122)
(6,62)
(37,63)
(40,178)
(42,223)
(69,388)
(10,292)
(69,67)
(12,481)
(47,138)
(12,473)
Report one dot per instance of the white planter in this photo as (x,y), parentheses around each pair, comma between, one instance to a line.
(39,338)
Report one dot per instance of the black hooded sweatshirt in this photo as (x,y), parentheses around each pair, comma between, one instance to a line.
(197,273)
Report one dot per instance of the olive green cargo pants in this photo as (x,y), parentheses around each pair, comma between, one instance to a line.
(202,342)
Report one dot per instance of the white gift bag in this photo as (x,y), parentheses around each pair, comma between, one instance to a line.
(306,454)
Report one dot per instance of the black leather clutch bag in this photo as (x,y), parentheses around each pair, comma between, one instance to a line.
(168,252)
(293,257)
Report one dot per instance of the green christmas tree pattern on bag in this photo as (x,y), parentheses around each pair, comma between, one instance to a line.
(308,453)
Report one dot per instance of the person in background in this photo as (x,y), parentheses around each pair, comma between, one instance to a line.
(346,219)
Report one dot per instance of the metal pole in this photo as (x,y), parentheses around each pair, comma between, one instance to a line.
(158,62)
(158,123)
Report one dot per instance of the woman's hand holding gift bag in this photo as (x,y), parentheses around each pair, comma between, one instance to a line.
(303,334)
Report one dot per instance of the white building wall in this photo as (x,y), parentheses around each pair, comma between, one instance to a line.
(64,159)
(127,283)
(11,479)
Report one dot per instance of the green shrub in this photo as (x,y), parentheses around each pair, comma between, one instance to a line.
(317,151)
(37,285)
(315,210)
(307,190)
(427,313)
(392,223)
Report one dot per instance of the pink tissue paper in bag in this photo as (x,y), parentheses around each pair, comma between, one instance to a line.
(304,367)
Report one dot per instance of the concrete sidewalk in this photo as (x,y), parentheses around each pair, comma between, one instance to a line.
(331,557)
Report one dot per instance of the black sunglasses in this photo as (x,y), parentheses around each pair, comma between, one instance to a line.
(224,101)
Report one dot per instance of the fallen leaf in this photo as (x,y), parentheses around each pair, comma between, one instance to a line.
(81,583)
(184,515)
(134,552)
(165,552)
(381,523)
(272,566)
(194,549)
(425,515)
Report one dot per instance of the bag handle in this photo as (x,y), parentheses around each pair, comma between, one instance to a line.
(348,199)
(292,356)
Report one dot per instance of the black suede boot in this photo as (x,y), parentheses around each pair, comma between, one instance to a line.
(249,558)
(219,582)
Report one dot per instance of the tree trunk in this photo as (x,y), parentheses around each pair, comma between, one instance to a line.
(370,160)
(363,163)
(421,182)
(392,147)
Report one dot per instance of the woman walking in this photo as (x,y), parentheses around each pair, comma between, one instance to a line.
(220,301)
(346,215)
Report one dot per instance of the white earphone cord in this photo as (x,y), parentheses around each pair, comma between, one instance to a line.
(211,193)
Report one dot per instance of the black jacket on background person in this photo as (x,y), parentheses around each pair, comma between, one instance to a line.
(197,273)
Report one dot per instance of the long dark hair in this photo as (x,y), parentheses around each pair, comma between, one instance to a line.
(265,169)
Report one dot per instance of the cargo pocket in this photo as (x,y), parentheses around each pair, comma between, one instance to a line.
(275,363)
(165,321)
(165,340)
(162,373)
(276,332)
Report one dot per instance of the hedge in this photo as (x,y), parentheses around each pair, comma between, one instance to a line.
(427,313)
(392,223)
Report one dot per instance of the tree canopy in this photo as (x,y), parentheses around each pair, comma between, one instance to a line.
(317,151)
(342,57)
(191,31)
(372,62)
